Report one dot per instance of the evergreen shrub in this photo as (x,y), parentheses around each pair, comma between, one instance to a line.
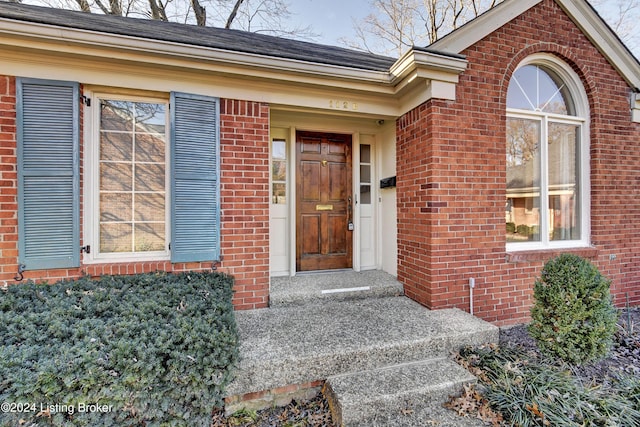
(573,316)
(149,350)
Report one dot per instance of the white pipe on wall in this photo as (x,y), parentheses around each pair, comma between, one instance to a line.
(472,284)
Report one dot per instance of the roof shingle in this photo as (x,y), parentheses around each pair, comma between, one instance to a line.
(210,37)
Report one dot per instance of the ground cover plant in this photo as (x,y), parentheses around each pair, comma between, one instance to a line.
(145,350)
(519,385)
(576,364)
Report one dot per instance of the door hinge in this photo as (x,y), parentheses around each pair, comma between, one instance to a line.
(86,100)
(86,249)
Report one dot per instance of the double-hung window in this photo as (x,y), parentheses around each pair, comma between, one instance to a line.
(151,176)
(547,200)
(131,178)
(153,181)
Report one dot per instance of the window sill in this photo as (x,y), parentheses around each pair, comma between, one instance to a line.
(543,255)
(125,259)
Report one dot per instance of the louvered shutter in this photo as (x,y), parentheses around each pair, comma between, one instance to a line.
(195,194)
(48,174)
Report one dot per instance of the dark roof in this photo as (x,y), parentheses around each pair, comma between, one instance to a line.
(219,38)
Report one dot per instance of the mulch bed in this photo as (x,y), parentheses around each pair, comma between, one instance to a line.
(624,358)
(310,413)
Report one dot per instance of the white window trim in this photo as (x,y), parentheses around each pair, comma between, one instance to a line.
(91,197)
(581,101)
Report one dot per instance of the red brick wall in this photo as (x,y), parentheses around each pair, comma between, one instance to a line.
(451,170)
(245,199)
(8,180)
(244,151)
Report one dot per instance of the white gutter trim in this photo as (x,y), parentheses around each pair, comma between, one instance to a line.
(79,37)
(433,75)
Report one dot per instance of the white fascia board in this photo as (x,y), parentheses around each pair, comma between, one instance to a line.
(605,40)
(138,49)
(417,69)
(480,27)
(428,65)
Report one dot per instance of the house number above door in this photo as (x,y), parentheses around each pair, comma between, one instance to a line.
(337,104)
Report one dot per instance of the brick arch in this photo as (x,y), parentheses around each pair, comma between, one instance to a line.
(559,51)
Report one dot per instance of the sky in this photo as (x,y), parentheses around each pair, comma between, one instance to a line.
(333,19)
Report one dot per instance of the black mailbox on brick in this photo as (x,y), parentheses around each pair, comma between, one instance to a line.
(388,182)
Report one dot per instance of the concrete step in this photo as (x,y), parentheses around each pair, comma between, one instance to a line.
(300,345)
(318,287)
(411,392)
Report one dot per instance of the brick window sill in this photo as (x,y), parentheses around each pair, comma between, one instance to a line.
(544,255)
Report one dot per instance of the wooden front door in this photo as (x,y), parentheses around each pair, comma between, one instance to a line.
(323,200)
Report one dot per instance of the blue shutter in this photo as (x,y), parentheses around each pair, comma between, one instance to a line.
(48,173)
(195,184)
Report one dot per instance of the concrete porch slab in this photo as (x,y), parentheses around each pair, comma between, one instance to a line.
(311,288)
(298,345)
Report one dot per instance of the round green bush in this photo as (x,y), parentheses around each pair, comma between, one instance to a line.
(573,316)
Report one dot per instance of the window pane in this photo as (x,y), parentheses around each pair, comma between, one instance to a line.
(132,176)
(149,237)
(150,117)
(115,207)
(522,210)
(279,170)
(537,89)
(150,148)
(365,174)
(115,177)
(150,177)
(279,194)
(149,207)
(365,194)
(564,215)
(115,237)
(116,115)
(115,146)
(279,150)
(365,154)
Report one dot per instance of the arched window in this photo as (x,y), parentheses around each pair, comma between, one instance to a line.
(547,197)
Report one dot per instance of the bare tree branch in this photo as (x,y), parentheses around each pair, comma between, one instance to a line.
(115,7)
(83,4)
(158,11)
(233,13)
(103,8)
(200,12)
(400,24)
